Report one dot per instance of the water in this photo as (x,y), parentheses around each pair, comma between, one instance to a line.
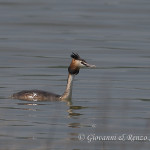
(36,40)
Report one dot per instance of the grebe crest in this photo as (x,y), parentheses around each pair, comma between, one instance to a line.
(38,95)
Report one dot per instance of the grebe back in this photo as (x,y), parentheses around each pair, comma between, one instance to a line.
(38,95)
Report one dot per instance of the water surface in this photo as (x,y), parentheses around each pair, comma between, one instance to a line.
(36,40)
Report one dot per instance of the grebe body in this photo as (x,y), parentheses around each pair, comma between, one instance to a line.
(38,95)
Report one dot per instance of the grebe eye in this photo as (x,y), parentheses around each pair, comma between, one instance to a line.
(82,62)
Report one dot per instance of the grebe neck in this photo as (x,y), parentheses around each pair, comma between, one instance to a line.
(68,92)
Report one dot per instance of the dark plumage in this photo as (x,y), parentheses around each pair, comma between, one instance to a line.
(75,56)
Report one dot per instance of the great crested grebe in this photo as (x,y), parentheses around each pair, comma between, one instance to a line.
(38,95)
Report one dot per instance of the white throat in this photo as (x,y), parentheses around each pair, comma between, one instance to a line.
(68,92)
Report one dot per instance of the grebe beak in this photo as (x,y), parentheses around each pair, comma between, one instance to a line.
(88,65)
(91,66)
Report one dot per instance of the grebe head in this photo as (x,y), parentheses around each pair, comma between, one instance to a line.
(77,63)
